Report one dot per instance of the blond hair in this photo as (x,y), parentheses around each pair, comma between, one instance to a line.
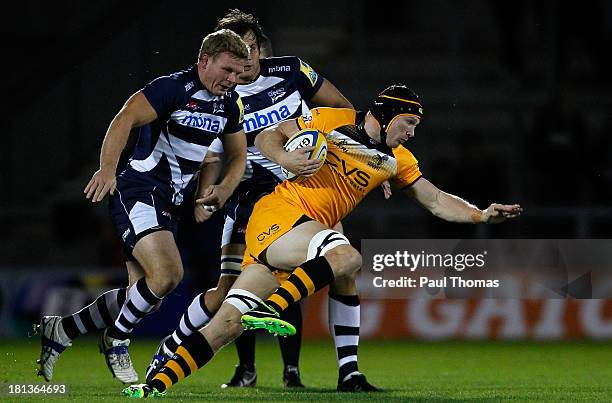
(223,41)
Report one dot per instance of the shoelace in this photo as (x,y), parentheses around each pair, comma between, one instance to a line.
(124,361)
(120,356)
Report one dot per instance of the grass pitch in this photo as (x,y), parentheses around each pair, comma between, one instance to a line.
(414,371)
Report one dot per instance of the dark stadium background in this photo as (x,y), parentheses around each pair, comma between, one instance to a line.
(517,109)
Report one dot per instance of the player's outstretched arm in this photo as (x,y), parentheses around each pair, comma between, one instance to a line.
(136,112)
(453,208)
(234,145)
(271,141)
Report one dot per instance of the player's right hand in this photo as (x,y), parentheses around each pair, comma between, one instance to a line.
(297,162)
(102,182)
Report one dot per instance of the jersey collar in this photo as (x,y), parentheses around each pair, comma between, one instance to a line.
(367,140)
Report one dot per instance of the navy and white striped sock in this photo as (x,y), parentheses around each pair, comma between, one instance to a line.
(344,322)
(196,316)
(231,265)
(139,303)
(99,315)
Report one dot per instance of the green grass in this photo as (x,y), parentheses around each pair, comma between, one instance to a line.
(415,371)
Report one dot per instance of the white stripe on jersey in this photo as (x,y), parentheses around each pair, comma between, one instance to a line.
(153,159)
(204,95)
(187,150)
(261,84)
(162,147)
(216,146)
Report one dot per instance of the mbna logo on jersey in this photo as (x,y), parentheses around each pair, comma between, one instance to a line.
(202,122)
(277,69)
(259,120)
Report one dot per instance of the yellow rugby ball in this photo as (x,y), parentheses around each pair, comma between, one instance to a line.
(306,138)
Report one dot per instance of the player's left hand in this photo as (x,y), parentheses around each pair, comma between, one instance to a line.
(496,213)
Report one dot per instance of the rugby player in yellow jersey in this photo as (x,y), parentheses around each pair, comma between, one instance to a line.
(291,228)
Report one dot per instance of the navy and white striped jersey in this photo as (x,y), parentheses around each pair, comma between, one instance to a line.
(276,95)
(170,150)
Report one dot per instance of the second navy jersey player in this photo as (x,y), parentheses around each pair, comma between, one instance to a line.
(278,93)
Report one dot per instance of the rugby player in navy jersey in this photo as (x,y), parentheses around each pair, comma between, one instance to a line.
(179,116)
(272,89)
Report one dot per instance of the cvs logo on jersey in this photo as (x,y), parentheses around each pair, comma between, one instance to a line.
(264,234)
(260,120)
(355,175)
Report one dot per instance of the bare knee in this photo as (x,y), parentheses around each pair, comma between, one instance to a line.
(344,260)
(164,278)
(224,327)
(230,329)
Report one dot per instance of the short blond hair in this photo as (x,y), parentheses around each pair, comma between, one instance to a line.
(221,41)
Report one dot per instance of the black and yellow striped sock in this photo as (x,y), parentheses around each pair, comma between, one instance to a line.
(307,279)
(193,353)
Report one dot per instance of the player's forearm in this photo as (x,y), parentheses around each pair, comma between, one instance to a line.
(453,208)
(234,170)
(114,141)
(209,175)
(270,142)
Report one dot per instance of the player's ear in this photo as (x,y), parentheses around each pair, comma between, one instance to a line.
(204,61)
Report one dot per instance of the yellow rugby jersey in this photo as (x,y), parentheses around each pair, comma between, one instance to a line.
(354,166)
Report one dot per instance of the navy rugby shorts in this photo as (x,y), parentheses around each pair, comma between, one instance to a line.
(138,209)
